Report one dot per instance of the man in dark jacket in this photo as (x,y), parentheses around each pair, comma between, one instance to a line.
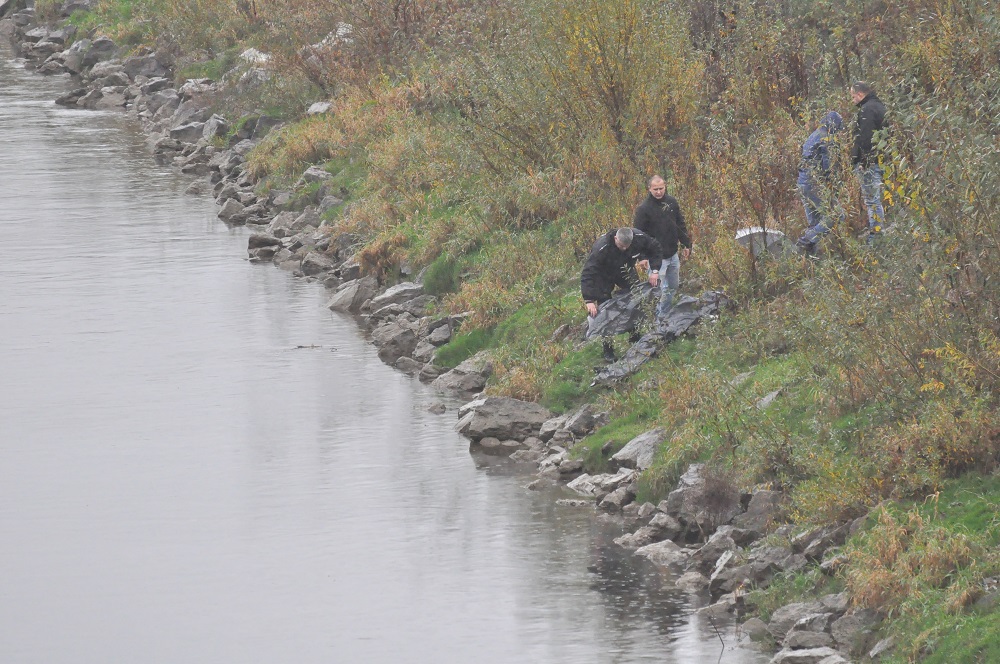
(612,264)
(864,156)
(660,217)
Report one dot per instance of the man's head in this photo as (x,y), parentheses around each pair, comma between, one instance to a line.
(860,90)
(657,187)
(623,238)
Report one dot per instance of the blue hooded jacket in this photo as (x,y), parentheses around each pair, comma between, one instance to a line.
(815,151)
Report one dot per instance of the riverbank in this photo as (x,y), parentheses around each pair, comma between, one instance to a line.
(707,523)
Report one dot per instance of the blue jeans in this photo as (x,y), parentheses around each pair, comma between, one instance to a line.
(817,211)
(670,276)
(871,192)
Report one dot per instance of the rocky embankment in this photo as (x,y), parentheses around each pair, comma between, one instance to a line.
(719,540)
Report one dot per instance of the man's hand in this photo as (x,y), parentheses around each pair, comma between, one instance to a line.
(686,252)
(654,279)
(644,264)
(591,309)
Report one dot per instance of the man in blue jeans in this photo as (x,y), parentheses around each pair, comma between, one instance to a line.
(864,156)
(659,216)
(815,186)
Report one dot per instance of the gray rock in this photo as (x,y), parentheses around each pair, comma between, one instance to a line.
(144,65)
(408,365)
(665,553)
(430,372)
(853,631)
(787,616)
(640,451)
(703,501)
(101,49)
(803,640)
(707,557)
(765,510)
(617,499)
(440,335)
(722,608)
(397,294)
(667,525)
(313,174)
(696,582)
(424,352)
(835,603)
(166,99)
(834,659)
(351,295)
(502,417)
(640,538)
(232,211)
(318,108)
(315,263)
(810,656)
(155,85)
(495,446)
(768,400)
(469,376)
(883,647)
(329,202)
(394,340)
(258,240)
(756,629)
(584,485)
(215,126)
(188,133)
(583,421)
(549,427)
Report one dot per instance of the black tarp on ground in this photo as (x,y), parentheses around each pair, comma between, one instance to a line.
(622,313)
(686,312)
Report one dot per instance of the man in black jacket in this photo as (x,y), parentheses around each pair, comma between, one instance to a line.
(612,264)
(660,217)
(864,157)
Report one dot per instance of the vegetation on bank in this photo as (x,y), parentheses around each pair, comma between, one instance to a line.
(491,141)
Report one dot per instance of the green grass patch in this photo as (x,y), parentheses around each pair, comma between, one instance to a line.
(463,346)
(443,275)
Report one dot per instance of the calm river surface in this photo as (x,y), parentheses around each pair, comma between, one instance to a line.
(179,483)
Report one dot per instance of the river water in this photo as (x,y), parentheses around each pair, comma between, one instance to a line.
(180,482)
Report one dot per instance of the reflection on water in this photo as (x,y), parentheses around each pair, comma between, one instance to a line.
(181,483)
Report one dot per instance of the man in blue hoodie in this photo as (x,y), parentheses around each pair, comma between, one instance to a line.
(815,186)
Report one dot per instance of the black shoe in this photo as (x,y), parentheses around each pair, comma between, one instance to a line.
(609,354)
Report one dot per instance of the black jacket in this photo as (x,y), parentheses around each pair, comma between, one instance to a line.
(608,266)
(870,118)
(662,219)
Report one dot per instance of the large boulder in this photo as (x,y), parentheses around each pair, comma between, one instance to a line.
(854,631)
(469,376)
(503,418)
(394,340)
(144,65)
(664,553)
(787,616)
(351,295)
(765,510)
(640,451)
(314,263)
(703,500)
(101,49)
(397,294)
